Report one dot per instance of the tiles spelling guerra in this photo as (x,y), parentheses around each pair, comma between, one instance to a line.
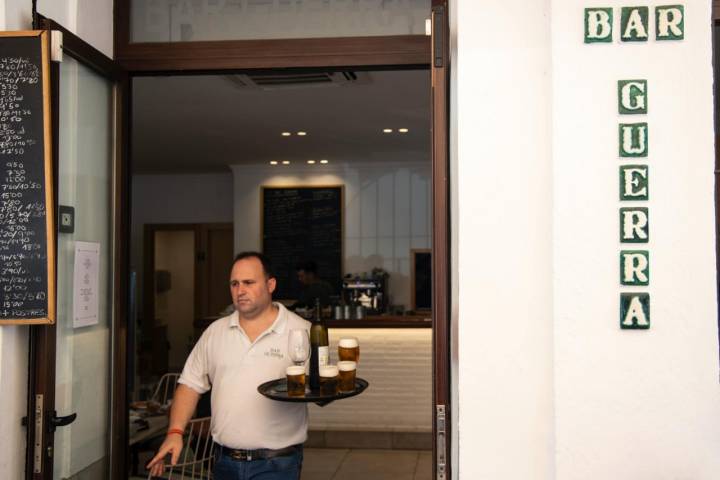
(604,25)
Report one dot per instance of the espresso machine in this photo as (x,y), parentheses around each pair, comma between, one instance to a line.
(366,294)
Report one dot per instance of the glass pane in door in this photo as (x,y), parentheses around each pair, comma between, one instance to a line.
(83,339)
(202,20)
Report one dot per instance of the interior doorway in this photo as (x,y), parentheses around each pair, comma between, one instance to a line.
(186,268)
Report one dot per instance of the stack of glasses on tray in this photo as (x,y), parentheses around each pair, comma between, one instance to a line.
(334,379)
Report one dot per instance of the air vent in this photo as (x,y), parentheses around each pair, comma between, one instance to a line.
(298,80)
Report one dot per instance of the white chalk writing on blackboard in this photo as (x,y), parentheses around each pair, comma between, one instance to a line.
(23,257)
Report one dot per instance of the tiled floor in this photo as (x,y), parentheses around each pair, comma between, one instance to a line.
(362,464)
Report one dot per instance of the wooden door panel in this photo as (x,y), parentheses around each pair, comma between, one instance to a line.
(218,259)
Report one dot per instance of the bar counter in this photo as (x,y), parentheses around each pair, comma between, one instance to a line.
(372,321)
(384,321)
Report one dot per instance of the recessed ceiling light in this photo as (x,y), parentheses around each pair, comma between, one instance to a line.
(311,162)
(387,130)
(301,134)
(286,162)
(286,134)
(323,161)
(403,130)
(273,162)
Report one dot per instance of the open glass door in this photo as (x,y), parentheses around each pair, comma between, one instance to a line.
(440,69)
(84,327)
(73,386)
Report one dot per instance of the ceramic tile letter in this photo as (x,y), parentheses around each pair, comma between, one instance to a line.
(634,267)
(670,22)
(634,183)
(598,25)
(632,97)
(634,225)
(633,139)
(634,24)
(635,311)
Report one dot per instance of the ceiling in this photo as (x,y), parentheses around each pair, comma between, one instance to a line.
(185,124)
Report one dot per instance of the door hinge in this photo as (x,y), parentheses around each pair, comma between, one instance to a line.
(37,446)
(440,460)
(56,46)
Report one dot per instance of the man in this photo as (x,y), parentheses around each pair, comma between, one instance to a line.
(255,438)
(313,286)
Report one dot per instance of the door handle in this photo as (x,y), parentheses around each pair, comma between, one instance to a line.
(56,421)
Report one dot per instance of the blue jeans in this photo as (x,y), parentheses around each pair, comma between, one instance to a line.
(277,468)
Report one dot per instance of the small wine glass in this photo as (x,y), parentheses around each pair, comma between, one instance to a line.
(299,346)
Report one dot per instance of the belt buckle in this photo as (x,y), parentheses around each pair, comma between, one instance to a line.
(241,455)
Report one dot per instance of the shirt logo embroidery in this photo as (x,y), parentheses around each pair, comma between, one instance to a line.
(274,352)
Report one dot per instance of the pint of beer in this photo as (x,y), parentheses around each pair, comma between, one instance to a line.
(347,376)
(295,380)
(328,380)
(349,349)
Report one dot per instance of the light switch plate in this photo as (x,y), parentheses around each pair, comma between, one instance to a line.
(66,219)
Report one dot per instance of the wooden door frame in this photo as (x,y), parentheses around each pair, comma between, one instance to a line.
(365,53)
(42,348)
(258,54)
(442,412)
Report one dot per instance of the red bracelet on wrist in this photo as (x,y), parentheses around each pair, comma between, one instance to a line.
(175,430)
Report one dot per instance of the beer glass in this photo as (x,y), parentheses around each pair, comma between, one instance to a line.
(295,380)
(298,346)
(347,376)
(349,349)
(328,380)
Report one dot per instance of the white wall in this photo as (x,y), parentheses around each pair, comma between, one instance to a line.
(387,212)
(626,399)
(504,189)
(91,20)
(549,386)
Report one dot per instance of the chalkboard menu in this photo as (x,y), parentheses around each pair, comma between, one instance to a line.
(302,224)
(27,248)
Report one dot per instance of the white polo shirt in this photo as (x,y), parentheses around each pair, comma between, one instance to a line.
(226,360)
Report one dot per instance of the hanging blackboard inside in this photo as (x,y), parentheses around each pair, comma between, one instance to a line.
(421,265)
(302,224)
(27,246)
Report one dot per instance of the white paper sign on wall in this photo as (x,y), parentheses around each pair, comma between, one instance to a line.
(85,284)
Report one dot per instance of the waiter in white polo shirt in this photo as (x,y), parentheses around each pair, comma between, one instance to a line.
(255,438)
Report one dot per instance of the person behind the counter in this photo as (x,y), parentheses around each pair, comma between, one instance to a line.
(312,286)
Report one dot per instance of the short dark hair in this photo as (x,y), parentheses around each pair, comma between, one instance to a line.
(307,266)
(264,260)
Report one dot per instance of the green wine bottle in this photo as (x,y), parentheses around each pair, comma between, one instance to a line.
(319,351)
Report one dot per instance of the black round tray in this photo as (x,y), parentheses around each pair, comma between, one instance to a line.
(277,390)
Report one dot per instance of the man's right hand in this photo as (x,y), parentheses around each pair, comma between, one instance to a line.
(172,445)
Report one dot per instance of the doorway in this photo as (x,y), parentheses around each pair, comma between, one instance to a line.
(242,56)
(185,265)
(401,52)
(361,132)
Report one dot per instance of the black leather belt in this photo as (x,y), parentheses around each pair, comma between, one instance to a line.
(259,454)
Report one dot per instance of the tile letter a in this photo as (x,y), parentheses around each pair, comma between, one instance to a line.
(635,311)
